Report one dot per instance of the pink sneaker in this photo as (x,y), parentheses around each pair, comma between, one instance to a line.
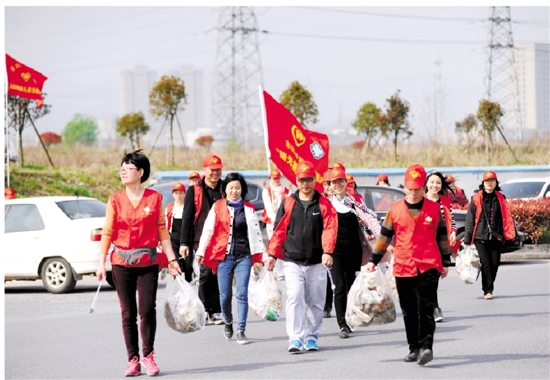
(150,364)
(133,368)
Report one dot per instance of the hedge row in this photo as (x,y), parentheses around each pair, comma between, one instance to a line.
(533,217)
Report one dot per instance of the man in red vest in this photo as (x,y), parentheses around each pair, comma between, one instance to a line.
(272,197)
(421,256)
(198,201)
(305,235)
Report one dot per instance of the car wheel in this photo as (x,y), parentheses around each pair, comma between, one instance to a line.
(109,278)
(57,276)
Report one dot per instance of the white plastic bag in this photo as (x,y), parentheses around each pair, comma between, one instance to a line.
(370,300)
(183,310)
(264,297)
(387,269)
(467,264)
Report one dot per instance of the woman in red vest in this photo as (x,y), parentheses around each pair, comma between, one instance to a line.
(230,243)
(436,190)
(174,214)
(134,224)
(488,224)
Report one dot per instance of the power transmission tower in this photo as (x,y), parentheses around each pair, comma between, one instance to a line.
(502,79)
(238,74)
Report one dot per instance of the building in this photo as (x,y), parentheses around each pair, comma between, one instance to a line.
(533,72)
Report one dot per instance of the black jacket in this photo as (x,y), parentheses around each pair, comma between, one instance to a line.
(303,243)
(490,205)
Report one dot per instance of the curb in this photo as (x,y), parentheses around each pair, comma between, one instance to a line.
(528,252)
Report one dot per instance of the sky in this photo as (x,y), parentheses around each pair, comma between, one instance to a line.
(344,55)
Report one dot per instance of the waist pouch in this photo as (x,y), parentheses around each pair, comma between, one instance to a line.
(139,257)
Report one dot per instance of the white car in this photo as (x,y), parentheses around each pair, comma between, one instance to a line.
(527,188)
(55,239)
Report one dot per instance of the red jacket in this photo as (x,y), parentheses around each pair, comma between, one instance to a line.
(508,225)
(136,227)
(169,209)
(415,240)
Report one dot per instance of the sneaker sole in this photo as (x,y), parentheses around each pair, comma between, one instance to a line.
(295,350)
(243,341)
(425,358)
(218,322)
(438,319)
(312,349)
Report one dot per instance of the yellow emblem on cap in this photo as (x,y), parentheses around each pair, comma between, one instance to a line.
(214,160)
(414,174)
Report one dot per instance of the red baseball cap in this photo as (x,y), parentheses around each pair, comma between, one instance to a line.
(326,176)
(178,186)
(382,177)
(9,193)
(415,177)
(489,175)
(194,175)
(450,178)
(337,173)
(305,169)
(350,178)
(339,166)
(212,161)
(274,173)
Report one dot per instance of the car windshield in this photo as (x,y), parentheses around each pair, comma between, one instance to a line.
(522,189)
(83,208)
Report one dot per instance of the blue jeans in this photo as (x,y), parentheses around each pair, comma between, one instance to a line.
(241,269)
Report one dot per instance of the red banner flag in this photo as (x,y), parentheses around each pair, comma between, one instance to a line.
(24,81)
(289,143)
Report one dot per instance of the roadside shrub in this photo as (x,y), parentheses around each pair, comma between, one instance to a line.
(533,217)
(50,138)
(358,144)
(205,141)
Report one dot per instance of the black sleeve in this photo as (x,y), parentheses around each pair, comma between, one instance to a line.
(188,218)
(470,221)
(280,213)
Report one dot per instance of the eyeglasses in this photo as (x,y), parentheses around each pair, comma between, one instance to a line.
(305,180)
(125,170)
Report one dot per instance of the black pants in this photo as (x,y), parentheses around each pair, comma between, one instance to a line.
(209,292)
(186,265)
(417,298)
(343,273)
(328,299)
(144,280)
(489,255)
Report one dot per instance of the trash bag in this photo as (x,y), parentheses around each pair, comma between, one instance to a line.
(370,300)
(183,310)
(387,269)
(264,297)
(468,265)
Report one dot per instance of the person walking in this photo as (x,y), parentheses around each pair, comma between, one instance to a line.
(421,256)
(194,178)
(174,213)
(489,223)
(437,190)
(327,192)
(272,197)
(458,197)
(382,180)
(135,224)
(197,203)
(230,243)
(305,235)
(356,226)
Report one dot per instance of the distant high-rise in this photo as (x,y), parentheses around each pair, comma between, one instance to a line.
(134,89)
(533,69)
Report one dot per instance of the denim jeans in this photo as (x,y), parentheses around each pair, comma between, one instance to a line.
(241,269)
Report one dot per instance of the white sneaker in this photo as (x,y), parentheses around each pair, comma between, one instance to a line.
(217,318)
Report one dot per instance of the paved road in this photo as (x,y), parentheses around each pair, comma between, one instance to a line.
(54,337)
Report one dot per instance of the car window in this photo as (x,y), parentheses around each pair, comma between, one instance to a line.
(522,189)
(22,217)
(253,192)
(382,198)
(83,208)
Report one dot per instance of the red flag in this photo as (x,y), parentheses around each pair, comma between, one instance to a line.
(24,81)
(289,143)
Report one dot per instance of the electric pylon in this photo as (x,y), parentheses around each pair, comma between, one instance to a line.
(238,74)
(502,80)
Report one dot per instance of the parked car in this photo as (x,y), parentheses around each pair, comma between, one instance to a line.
(254,195)
(55,239)
(379,198)
(527,188)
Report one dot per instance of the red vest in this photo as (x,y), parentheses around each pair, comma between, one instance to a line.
(169,209)
(136,228)
(330,231)
(507,220)
(215,252)
(284,194)
(446,203)
(198,202)
(415,240)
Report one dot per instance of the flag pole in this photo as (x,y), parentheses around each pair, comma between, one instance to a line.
(264,123)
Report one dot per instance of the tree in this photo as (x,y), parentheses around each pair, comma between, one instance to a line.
(80,130)
(369,122)
(396,120)
(489,114)
(22,112)
(300,102)
(165,99)
(132,125)
(467,127)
